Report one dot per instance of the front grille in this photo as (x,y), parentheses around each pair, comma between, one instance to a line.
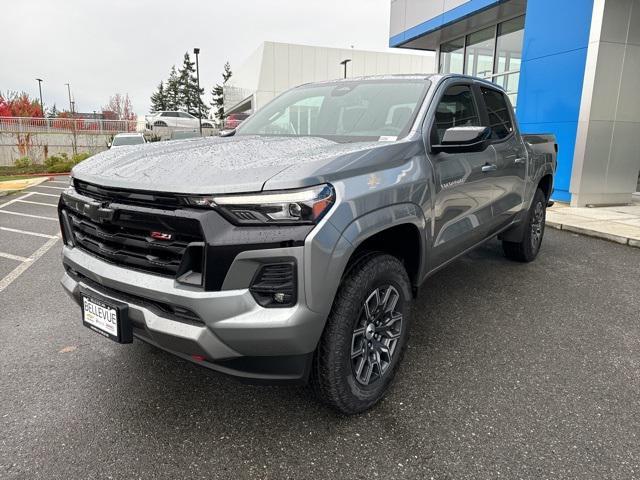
(129,197)
(125,239)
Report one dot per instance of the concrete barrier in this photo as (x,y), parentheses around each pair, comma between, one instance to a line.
(38,146)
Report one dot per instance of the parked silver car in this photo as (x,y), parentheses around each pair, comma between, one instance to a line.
(124,139)
(175,121)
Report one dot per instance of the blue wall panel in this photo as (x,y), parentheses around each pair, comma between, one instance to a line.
(565,133)
(556,37)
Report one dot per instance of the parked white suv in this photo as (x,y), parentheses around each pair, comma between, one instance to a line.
(175,121)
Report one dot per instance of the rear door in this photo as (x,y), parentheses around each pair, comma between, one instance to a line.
(463,190)
(511,156)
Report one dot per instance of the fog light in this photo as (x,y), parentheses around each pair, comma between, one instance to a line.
(274,285)
(280,297)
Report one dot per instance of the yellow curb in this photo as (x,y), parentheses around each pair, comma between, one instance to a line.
(13,185)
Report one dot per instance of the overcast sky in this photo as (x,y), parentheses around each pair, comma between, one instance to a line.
(128,46)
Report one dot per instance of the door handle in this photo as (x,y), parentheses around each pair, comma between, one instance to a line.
(489,167)
(520,161)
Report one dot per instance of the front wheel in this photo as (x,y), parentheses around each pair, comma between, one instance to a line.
(365,336)
(527,249)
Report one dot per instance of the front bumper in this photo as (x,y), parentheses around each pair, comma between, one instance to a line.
(234,335)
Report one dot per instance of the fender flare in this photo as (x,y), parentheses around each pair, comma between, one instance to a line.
(322,286)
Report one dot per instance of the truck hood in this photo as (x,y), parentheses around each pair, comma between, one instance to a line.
(220,165)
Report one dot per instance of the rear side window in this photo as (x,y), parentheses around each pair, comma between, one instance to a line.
(455,109)
(498,111)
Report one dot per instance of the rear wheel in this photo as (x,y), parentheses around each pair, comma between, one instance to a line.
(527,249)
(365,336)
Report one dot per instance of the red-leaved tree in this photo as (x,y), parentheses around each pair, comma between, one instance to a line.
(16,104)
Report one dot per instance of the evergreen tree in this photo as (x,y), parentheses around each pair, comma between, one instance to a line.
(172,91)
(159,99)
(190,95)
(53,112)
(218,95)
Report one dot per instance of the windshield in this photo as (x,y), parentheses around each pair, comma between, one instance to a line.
(119,141)
(349,111)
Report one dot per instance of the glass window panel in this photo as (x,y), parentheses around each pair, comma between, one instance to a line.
(509,53)
(452,56)
(456,109)
(480,53)
(498,111)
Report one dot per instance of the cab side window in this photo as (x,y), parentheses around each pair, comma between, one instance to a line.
(456,108)
(498,112)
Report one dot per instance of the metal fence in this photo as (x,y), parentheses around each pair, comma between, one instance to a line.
(67,125)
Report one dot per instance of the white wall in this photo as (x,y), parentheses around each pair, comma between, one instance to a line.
(607,155)
(409,13)
(283,66)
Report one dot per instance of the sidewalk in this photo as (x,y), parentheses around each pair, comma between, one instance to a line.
(617,224)
(9,186)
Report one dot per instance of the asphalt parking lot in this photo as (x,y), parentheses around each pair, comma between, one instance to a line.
(513,371)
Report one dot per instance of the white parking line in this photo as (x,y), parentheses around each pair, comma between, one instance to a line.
(28,215)
(11,256)
(20,269)
(15,200)
(46,194)
(38,203)
(58,181)
(44,186)
(25,232)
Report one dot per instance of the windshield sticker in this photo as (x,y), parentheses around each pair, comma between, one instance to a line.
(387,138)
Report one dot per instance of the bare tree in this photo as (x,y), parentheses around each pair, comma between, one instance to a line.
(120,107)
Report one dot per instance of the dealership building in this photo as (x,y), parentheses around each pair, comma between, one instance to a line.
(275,67)
(570,67)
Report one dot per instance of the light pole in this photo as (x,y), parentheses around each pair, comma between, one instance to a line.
(196,51)
(344,62)
(70,102)
(40,88)
(73,121)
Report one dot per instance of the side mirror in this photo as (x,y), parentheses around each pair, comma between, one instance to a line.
(463,139)
(109,145)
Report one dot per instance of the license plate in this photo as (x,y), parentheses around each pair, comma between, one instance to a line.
(101,317)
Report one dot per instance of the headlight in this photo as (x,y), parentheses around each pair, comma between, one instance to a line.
(289,206)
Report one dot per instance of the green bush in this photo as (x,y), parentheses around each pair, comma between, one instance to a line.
(62,163)
(52,160)
(61,167)
(24,162)
(79,157)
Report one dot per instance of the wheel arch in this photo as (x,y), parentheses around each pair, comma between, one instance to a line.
(331,252)
(546,184)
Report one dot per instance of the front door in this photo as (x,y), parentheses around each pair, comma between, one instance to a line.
(463,190)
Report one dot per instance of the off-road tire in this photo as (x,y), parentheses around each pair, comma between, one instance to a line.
(527,249)
(333,376)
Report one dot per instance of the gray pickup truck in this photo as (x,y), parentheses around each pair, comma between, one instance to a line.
(289,251)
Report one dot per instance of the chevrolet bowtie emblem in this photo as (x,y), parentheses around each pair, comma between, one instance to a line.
(98,212)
